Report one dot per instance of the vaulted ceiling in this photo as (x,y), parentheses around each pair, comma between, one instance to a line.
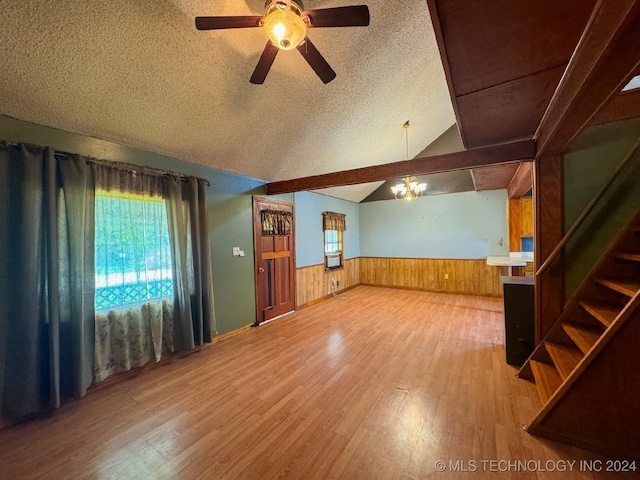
(140,74)
(524,79)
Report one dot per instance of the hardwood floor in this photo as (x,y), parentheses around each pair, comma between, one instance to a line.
(377,384)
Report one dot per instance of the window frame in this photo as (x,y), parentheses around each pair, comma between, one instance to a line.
(102,278)
(340,249)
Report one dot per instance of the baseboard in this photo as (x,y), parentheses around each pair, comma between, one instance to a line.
(402,287)
(226,335)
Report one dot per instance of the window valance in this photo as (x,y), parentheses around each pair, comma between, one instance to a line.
(334,221)
(275,222)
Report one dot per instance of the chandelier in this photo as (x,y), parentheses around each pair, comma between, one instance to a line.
(410,189)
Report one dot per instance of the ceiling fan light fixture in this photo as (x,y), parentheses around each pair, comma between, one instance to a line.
(284,24)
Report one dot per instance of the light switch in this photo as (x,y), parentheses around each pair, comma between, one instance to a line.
(236,251)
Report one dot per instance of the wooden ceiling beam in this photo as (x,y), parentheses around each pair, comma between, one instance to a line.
(523,150)
(621,107)
(522,181)
(437,28)
(606,57)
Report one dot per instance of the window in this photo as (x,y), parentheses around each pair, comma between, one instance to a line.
(332,241)
(132,252)
(333,224)
(333,249)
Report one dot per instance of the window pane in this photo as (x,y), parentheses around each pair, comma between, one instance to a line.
(133,259)
(332,241)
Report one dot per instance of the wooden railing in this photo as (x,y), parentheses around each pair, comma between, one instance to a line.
(567,236)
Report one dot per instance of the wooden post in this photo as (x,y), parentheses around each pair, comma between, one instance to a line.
(548,198)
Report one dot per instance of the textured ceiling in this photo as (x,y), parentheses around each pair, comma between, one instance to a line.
(140,74)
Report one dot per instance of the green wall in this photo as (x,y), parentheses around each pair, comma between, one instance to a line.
(591,160)
(230,211)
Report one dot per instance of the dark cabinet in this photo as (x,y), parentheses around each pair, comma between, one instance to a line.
(518,318)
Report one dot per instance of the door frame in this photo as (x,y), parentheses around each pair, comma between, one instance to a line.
(256,261)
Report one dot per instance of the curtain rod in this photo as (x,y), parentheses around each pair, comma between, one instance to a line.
(129,167)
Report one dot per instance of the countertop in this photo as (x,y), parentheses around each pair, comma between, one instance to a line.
(514,259)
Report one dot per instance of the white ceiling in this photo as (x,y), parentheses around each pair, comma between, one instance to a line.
(140,74)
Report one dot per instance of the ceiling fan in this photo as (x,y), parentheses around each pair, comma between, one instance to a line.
(286,23)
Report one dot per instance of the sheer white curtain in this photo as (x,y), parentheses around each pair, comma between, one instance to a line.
(134,280)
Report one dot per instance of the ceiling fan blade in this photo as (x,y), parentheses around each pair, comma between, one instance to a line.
(353,16)
(264,64)
(219,23)
(317,61)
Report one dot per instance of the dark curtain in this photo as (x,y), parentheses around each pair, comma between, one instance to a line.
(193,310)
(46,279)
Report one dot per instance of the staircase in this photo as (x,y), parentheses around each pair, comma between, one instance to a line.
(587,368)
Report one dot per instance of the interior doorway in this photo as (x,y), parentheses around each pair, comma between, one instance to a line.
(274,253)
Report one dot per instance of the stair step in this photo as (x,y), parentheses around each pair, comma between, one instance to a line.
(547,379)
(605,313)
(633,257)
(564,357)
(583,337)
(627,287)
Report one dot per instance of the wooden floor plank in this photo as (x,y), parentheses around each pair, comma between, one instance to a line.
(378,383)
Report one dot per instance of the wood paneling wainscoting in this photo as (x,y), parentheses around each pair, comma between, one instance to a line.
(313,283)
(464,276)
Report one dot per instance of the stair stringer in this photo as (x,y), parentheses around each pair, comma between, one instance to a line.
(572,308)
(599,409)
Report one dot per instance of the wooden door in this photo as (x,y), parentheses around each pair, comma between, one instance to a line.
(275,266)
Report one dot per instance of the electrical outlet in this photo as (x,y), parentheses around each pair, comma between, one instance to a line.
(446,276)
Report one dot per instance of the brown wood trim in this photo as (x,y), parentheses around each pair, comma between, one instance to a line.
(428,258)
(417,289)
(442,48)
(270,200)
(316,265)
(492,155)
(254,203)
(548,201)
(522,181)
(271,255)
(395,258)
(604,60)
(514,212)
(622,107)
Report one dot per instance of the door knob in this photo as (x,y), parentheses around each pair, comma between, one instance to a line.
(261,269)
